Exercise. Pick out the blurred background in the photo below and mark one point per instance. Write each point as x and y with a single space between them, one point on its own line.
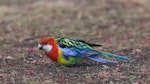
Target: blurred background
121 26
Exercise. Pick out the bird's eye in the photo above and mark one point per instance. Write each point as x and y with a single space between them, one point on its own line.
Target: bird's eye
45 43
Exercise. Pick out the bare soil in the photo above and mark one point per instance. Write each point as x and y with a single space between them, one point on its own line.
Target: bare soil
121 26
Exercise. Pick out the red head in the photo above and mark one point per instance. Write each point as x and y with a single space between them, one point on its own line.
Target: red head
47 43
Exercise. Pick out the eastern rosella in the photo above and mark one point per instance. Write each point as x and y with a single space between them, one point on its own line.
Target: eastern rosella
68 51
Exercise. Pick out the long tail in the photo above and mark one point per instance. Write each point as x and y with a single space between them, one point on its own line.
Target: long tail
97 56
115 55
99 59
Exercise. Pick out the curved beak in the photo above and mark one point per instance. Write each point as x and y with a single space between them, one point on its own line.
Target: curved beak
40 46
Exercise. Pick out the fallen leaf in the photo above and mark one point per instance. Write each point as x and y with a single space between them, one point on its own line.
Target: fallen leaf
107 40
31 50
106 67
31 72
132 77
136 51
8 57
1 75
62 78
143 69
144 42
10 28
136 83
104 74
144 25
135 3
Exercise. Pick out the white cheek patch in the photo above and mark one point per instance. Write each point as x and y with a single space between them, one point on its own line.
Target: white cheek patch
47 48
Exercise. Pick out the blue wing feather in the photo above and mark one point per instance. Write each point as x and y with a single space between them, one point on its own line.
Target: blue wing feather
69 52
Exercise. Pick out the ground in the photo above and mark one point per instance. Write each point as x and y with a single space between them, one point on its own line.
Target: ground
121 26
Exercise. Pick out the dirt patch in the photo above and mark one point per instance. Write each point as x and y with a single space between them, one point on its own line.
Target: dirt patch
122 27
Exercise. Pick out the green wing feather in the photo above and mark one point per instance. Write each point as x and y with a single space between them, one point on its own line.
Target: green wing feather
69 42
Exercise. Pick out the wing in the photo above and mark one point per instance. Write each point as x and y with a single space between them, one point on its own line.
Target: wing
90 44
68 43
71 47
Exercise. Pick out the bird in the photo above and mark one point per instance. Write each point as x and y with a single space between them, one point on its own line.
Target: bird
67 51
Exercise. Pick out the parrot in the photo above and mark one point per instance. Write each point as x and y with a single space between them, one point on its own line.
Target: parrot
67 51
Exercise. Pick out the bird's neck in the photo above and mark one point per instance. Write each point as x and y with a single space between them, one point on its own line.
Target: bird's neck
53 54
